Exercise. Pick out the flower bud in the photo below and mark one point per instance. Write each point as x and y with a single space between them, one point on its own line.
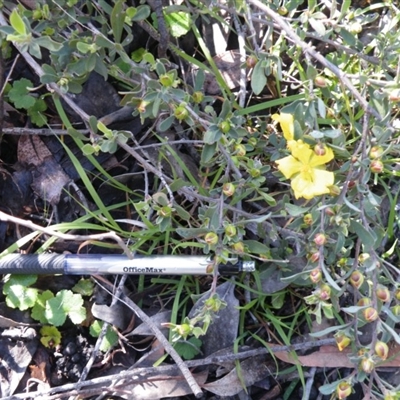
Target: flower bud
397 294
251 61
376 166
198 97
282 10
394 95
228 189
211 238
342 341
355 27
343 390
225 126
356 279
367 365
370 314
184 330
320 81
381 350
334 190
376 152
320 239
308 219
342 262
320 149
314 257
142 106
396 310
364 301
165 211
181 112
363 257
238 247
383 294
255 172
166 80
315 275
240 150
230 230
351 184
324 292
329 211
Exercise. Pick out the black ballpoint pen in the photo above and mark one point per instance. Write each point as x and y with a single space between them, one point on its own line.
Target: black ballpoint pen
100 264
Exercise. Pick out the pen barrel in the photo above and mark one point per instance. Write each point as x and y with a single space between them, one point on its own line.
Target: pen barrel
26 264
98 264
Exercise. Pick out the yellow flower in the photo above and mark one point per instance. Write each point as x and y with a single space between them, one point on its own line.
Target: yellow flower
306 170
287 125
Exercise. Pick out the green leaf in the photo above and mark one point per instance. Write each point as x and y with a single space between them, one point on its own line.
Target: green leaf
188 349
368 238
329 330
117 20
84 287
142 12
191 232
65 304
212 135
258 78
17 23
296 211
178 23
40 306
51 336
21 297
88 149
25 280
208 152
110 338
36 113
160 198
392 332
166 123
256 247
17 291
182 212
318 26
34 49
48 43
19 94
329 388
107 132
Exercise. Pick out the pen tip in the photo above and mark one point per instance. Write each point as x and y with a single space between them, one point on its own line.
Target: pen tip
248 266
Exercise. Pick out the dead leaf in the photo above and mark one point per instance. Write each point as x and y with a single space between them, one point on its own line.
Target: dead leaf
15 357
173 385
327 356
48 177
49 180
158 319
116 314
222 332
40 369
331 357
31 150
229 65
252 370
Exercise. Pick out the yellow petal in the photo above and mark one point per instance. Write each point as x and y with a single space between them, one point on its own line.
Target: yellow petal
310 185
289 166
320 160
301 151
286 123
